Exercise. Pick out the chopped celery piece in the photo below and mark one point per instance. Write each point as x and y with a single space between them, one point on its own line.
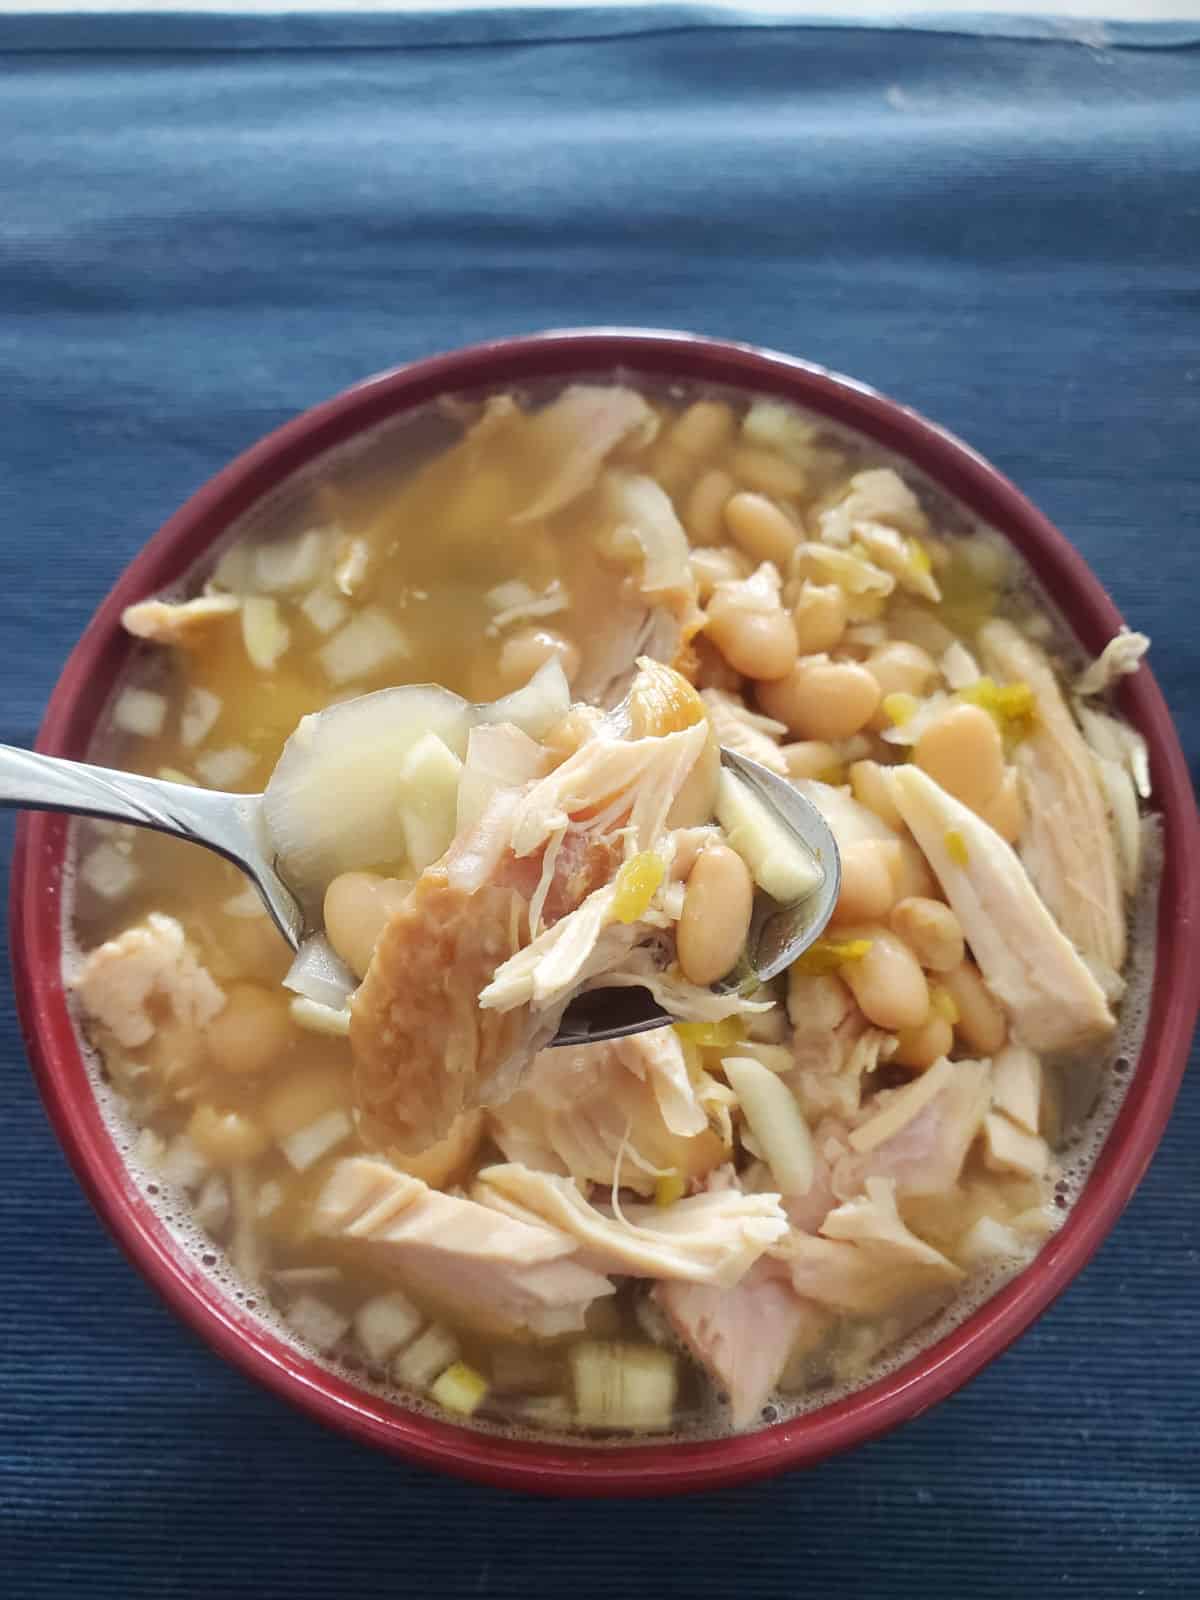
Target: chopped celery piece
316 1139
669 1188
460 1388
621 1385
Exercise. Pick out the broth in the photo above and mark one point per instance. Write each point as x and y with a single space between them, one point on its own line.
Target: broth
425 536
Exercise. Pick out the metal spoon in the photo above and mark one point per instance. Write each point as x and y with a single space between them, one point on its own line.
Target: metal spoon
233 826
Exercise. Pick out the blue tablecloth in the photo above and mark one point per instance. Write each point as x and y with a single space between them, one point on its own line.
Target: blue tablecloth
195 243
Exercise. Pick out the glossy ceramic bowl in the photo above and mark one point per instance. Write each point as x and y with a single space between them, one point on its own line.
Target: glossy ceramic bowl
585 1469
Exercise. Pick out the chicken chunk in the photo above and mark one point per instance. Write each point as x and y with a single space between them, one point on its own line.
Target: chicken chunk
591 1113
130 983
866 1260
1065 842
742 1336
423 1050
498 1273
575 434
710 1238
918 1137
180 622
1029 964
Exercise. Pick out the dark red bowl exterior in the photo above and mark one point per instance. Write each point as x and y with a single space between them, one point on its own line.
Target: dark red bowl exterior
587 1470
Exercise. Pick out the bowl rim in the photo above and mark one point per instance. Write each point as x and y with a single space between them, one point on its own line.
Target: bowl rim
550 1467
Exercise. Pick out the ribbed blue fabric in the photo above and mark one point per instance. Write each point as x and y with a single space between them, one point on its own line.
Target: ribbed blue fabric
198 241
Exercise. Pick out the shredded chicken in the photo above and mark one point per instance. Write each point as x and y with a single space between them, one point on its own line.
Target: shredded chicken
181 622
833 1046
918 1136
657 1058
894 554
497 1272
129 982
597 1113
1121 655
865 1259
747 733
1052 999
709 1238
610 783
877 495
1065 841
545 974
351 558
575 433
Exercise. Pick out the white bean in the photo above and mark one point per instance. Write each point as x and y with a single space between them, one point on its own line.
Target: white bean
716 915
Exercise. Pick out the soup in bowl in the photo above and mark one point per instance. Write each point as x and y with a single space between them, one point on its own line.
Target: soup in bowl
804 1208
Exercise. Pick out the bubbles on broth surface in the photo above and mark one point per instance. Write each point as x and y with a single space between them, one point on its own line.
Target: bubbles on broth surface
386 451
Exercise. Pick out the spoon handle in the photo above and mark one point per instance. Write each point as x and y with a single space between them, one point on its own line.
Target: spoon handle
50 783
230 824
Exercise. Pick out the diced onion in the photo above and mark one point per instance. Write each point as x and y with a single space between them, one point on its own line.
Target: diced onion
264 632
140 711
544 700
352 558
109 872
1007 1148
776 1122
369 642
283 565
499 756
428 797
332 804
386 1324
325 609
246 903
201 708
316 1018
317 1322
425 1358
221 769
308 1144
319 974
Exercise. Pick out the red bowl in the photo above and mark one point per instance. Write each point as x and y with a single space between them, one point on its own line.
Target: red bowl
584 1469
